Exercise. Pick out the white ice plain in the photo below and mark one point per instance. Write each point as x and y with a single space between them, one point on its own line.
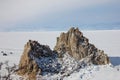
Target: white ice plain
107 40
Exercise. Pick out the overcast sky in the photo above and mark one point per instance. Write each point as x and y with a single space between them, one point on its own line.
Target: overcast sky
39 15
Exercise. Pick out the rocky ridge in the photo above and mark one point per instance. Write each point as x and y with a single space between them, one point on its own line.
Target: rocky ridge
72 52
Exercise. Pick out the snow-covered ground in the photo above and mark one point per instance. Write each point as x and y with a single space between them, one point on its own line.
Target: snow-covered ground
12 43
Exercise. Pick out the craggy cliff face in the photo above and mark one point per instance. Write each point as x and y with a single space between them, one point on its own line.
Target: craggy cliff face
74 43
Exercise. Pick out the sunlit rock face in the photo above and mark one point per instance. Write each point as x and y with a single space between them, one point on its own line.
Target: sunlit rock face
27 65
75 44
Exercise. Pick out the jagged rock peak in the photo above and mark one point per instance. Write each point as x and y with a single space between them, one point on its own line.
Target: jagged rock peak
75 44
28 65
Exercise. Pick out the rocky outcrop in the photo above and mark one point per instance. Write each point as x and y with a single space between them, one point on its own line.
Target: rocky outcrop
34 59
39 60
75 44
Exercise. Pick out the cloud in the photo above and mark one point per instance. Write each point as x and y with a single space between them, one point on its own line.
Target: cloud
18 11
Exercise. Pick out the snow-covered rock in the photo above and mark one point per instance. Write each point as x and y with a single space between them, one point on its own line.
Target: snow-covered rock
72 53
103 39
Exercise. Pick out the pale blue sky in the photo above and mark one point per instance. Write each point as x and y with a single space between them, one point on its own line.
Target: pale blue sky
42 15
